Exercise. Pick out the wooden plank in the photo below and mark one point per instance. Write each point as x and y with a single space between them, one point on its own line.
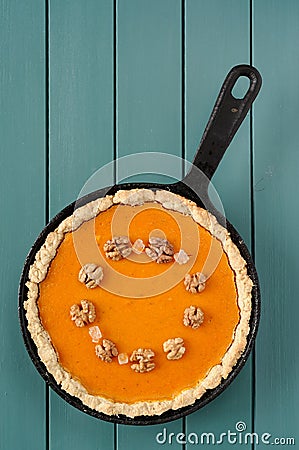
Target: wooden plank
276 162
149 78
81 141
148 117
22 149
217 38
81 94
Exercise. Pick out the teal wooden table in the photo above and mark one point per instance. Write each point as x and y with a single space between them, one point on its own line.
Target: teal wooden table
84 82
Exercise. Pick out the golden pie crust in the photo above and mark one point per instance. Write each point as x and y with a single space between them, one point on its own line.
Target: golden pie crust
39 269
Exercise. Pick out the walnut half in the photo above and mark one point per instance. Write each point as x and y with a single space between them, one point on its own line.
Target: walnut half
160 250
195 283
84 314
106 351
143 360
174 347
193 317
117 248
91 275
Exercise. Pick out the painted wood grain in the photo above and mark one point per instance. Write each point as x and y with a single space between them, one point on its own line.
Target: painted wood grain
22 149
276 162
217 38
81 141
148 117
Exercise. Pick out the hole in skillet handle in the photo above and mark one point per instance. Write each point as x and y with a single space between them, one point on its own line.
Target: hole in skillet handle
240 89
226 118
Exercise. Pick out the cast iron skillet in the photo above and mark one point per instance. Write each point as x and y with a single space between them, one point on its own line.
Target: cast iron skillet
226 117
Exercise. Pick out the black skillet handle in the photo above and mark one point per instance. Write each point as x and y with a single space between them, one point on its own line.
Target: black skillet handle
227 115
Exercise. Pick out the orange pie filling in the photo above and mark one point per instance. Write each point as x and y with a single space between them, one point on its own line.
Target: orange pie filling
139 304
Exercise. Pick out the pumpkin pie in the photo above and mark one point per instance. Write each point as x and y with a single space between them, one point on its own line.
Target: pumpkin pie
138 303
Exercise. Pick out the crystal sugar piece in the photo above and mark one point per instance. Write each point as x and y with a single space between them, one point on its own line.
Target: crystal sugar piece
138 246
95 333
181 257
123 358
